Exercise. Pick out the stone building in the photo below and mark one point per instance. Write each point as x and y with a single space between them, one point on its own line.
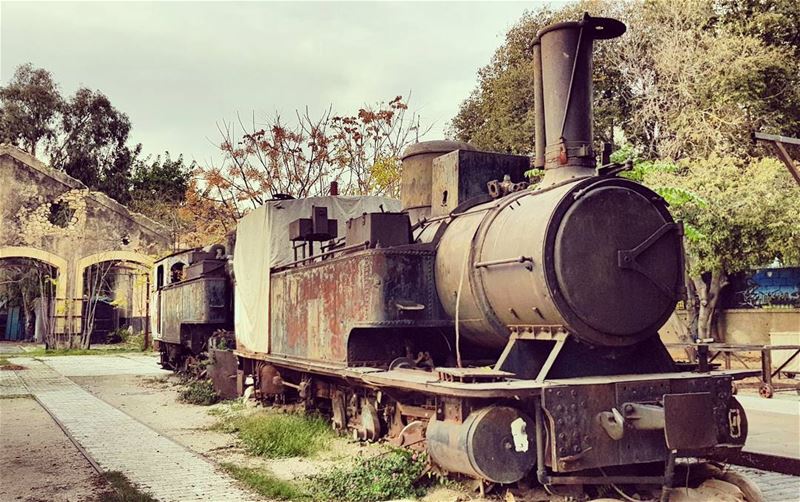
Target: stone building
55 219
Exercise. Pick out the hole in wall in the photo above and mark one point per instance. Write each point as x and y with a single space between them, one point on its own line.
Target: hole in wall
61 214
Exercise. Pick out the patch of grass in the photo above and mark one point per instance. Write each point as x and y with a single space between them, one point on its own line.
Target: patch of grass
199 392
265 483
124 490
393 475
281 435
228 409
4 362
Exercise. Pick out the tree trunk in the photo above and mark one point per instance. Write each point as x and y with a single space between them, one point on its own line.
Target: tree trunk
25 317
708 294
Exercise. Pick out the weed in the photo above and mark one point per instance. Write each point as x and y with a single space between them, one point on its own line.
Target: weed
158 381
281 435
199 392
392 475
265 483
124 490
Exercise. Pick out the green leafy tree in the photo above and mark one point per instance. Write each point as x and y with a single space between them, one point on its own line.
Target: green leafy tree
91 144
29 108
739 214
164 179
687 79
498 115
702 86
84 136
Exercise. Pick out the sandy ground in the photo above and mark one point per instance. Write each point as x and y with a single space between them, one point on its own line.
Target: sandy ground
38 462
154 402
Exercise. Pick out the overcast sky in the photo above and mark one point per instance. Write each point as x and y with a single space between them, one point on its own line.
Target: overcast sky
179 68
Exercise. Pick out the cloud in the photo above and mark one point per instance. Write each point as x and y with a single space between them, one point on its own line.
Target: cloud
179 68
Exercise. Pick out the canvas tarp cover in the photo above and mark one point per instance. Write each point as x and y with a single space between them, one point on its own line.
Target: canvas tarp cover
262 242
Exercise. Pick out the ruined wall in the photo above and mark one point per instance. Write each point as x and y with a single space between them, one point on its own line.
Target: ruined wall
48 215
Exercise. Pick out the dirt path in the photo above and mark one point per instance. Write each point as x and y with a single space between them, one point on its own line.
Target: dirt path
154 402
38 462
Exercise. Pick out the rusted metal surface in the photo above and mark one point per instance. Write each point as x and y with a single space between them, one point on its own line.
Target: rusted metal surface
495 443
379 230
577 441
566 61
546 300
461 176
361 289
222 372
570 275
270 382
192 302
416 180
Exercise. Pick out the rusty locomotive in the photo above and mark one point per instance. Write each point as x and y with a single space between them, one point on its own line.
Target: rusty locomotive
511 331
192 299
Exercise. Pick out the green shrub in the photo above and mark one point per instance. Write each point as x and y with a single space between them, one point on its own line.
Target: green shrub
199 392
265 483
282 435
393 475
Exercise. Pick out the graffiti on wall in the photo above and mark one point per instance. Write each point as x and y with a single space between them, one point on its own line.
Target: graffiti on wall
765 288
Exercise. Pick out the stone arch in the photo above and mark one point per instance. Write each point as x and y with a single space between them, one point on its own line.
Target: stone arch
87 261
61 307
38 254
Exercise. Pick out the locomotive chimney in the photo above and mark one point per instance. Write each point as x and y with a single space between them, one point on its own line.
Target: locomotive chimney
563 92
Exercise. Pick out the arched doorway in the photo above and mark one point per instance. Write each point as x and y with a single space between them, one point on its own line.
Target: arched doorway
33 299
114 291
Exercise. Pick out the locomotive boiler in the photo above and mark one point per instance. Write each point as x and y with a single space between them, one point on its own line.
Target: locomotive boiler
511 331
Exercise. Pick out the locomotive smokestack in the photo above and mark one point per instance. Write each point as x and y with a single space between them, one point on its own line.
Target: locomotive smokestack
565 79
538 105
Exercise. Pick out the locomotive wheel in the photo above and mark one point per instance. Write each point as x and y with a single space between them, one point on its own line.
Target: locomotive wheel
766 390
370 423
411 435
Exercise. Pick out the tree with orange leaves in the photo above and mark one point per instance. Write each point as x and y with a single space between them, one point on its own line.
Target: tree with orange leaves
360 152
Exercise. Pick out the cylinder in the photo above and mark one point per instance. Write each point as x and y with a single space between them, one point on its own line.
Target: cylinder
496 443
555 257
416 177
566 62
538 106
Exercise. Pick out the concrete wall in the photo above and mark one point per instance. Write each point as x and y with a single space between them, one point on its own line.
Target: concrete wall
755 325
746 326
93 228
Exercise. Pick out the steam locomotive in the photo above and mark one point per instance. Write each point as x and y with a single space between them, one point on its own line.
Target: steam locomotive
510 331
